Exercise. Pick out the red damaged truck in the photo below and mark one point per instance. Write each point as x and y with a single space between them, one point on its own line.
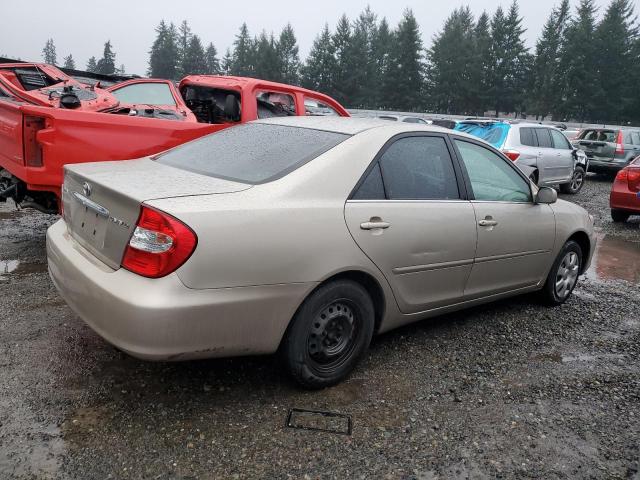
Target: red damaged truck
48 119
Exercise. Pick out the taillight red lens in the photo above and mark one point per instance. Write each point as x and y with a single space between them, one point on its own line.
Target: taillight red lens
160 244
633 179
512 155
622 175
619 145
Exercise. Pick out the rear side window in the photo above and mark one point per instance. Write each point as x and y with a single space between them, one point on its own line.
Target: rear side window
559 140
372 188
527 137
419 168
635 137
544 139
252 153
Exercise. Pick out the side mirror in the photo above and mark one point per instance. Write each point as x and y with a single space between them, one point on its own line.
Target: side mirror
546 195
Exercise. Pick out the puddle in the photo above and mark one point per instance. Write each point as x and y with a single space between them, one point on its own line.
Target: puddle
16 267
591 358
10 214
615 259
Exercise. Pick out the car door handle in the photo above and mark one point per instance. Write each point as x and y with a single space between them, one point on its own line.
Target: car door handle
374 225
487 223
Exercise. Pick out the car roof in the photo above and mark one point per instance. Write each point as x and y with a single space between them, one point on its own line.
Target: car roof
352 126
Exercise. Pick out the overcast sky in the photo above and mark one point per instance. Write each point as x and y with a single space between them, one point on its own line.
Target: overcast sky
81 28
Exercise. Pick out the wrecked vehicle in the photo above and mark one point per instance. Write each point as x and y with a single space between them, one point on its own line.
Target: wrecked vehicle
142 117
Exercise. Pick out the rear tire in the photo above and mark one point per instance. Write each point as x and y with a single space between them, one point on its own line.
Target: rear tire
563 276
619 215
576 183
329 334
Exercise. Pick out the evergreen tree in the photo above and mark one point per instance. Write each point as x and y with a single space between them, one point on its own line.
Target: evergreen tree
69 62
92 65
404 79
381 44
510 61
343 84
49 52
211 60
481 65
365 87
266 61
579 56
321 65
227 63
183 43
107 64
450 62
547 76
163 56
122 70
194 61
614 39
288 59
242 63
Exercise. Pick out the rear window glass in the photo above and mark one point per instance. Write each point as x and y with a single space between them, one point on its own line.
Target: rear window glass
599 135
527 137
252 153
492 133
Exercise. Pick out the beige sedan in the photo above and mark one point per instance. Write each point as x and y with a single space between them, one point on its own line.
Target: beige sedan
305 236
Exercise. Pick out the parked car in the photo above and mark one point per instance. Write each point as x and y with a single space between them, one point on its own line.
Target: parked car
609 150
541 151
143 117
625 192
305 236
405 118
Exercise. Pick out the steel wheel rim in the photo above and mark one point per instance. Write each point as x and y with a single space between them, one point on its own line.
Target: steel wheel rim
567 274
333 335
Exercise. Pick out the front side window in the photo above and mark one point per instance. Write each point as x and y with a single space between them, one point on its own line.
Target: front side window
315 107
275 104
145 94
252 153
560 141
419 168
491 177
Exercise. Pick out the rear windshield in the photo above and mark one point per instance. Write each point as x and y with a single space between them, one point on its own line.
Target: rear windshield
252 153
599 135
493 133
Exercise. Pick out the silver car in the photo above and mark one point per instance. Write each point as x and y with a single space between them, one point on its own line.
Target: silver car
305 236
543 152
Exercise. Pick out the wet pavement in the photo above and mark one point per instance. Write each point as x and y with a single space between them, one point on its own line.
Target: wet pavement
508 390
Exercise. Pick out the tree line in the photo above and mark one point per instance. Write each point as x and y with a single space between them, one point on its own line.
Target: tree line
106 65
585 65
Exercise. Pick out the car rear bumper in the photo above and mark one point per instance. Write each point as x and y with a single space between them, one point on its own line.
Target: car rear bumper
596 164
162 319
625 200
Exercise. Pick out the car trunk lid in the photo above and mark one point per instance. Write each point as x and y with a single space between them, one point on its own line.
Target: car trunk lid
598 144
101 201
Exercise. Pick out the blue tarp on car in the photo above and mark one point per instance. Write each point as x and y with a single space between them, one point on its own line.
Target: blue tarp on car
494 133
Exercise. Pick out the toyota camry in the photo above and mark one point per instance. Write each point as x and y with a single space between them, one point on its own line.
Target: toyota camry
305 236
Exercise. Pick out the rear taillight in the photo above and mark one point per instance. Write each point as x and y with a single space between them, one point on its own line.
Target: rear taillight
633 179
512 155
160 244
622 175
619 145
32 149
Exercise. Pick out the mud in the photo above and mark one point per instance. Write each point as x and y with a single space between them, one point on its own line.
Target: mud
508 390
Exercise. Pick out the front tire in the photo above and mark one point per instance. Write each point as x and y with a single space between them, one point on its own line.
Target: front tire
329 334
563 276
576 183
619 216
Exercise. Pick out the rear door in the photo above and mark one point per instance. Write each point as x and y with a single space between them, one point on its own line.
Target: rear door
515 235
409 216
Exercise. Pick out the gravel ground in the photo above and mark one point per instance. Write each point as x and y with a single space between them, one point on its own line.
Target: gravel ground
509 390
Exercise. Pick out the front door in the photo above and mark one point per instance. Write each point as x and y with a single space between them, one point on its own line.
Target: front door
515 235
564 155
409 218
